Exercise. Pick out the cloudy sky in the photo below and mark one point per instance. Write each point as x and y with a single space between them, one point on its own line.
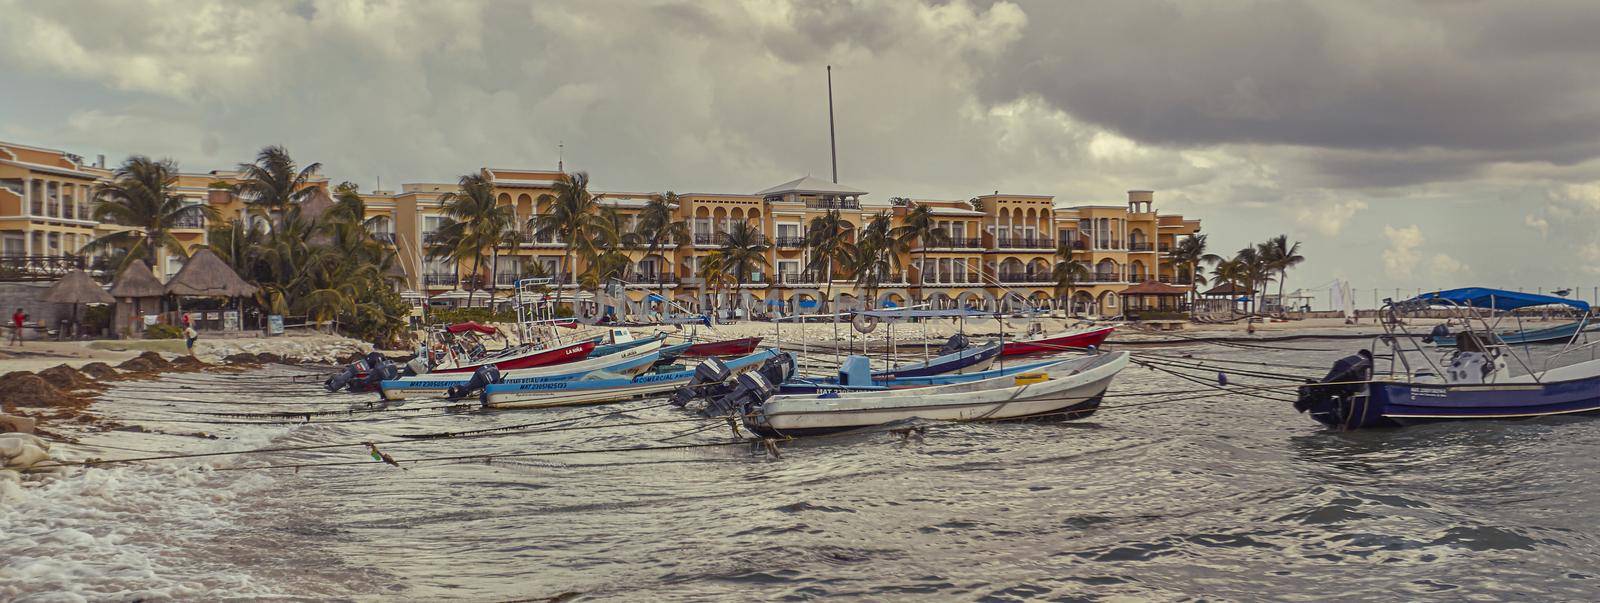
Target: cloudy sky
1406 144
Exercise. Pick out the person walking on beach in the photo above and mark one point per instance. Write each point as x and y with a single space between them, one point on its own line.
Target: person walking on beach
189 335
16 326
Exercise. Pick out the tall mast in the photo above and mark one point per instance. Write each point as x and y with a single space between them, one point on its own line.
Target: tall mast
833 149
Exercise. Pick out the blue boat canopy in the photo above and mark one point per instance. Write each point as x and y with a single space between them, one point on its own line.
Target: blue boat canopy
1498 299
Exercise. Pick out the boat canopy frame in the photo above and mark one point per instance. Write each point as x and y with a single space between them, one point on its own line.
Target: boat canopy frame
1480 303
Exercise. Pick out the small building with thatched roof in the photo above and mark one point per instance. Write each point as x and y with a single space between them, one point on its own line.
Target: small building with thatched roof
1153 295
206 275
76 289
138 293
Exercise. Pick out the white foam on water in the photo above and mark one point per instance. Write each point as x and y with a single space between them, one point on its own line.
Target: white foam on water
147 531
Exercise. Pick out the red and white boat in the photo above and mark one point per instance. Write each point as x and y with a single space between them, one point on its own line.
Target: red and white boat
1059 342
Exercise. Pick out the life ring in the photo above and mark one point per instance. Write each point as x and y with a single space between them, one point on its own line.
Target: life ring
864 324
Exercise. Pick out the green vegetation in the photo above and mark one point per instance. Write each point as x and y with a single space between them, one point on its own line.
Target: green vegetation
141 195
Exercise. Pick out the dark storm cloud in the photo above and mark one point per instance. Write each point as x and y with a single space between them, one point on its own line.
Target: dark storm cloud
1511 78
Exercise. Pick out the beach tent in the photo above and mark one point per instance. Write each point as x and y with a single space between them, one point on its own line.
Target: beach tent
138 293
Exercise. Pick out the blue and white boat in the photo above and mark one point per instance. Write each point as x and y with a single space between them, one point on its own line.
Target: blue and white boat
854 378
1474 379
600 391
1556 334
624 364
621 339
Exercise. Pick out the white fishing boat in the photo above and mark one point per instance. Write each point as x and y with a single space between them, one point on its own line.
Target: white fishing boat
624 364
1070 389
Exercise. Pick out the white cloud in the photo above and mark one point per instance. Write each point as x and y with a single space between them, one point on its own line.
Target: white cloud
1537 223
1328 219
1443 265
1401 258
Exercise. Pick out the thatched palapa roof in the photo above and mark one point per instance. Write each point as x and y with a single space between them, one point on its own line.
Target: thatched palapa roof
77 288
136 280
206 275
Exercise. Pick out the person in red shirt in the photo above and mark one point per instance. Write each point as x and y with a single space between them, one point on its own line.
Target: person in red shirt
16 326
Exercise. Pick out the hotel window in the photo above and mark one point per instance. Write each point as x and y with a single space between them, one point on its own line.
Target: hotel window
959 275
788 267
788 231
958 232
13 244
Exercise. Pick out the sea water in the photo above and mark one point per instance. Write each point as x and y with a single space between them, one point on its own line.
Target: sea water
1230 497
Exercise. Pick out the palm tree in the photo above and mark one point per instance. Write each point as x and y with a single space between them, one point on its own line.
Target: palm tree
744 250
713 275
919 225
1191 254
1231 271
572 214
1067 273
141 195
876 254
659 228
273 182
1282 256
829 239
476 222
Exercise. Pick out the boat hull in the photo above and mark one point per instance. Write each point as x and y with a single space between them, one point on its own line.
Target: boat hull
1396 404
626 365
822 386
1058 343
599 391
1072 395
972 360
568 353
730 347
1555 334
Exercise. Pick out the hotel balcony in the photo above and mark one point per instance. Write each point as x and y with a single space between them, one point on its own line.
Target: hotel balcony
195 222
1105 278
651 279
833 204
1005 242
959 243
440 280
1175 280
799 278
948 280
1024 277
719 238
384 237
1141 247
790 242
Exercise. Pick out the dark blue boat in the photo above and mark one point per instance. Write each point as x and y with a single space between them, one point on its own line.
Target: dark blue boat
1472 380
969 360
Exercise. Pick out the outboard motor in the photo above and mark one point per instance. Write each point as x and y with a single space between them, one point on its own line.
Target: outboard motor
1332 404
750 389
955 344
710 372
384 370
485 376
778 369
351 371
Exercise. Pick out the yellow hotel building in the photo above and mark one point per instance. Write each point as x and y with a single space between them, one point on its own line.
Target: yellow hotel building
999 245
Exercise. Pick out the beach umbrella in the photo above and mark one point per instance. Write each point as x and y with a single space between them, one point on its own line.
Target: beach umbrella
77 288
